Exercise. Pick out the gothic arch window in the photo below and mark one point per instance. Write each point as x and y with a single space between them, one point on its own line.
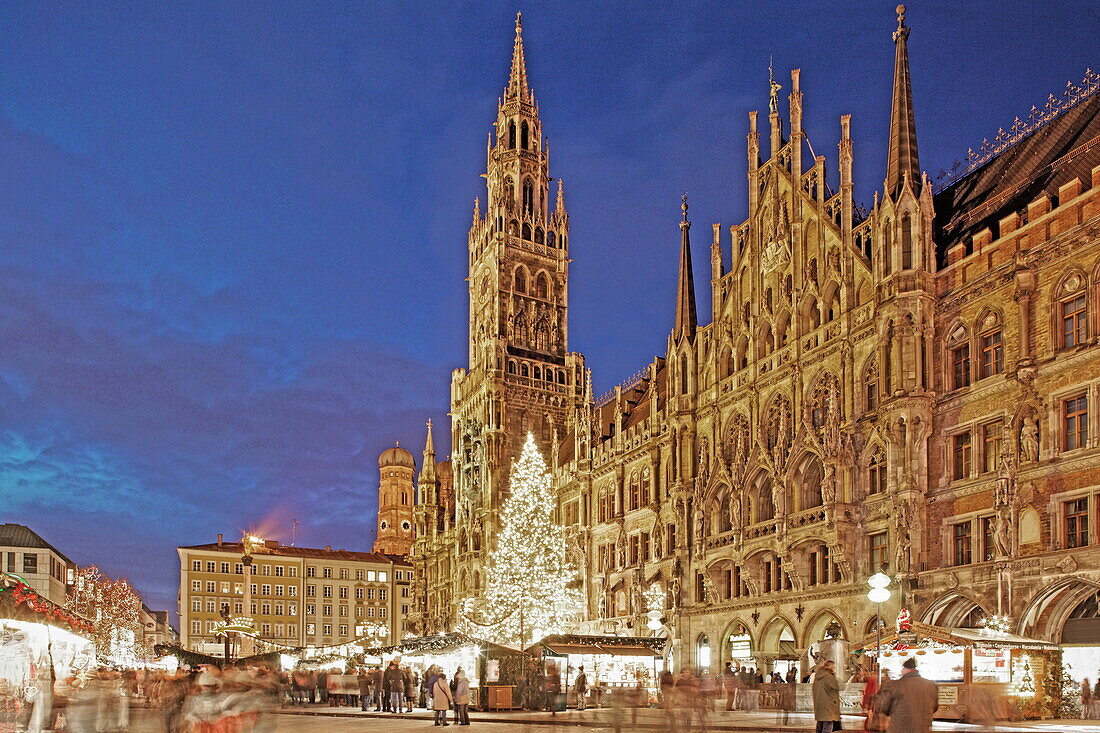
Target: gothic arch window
861 293
527 231
870 385
958 356
684 374
539 239
550 238
830 302
764 341
906 242
765 507
524 370
824 400
542 286
538 372
782 326
513 228
528 198
811 484
561 377
876 473
742 355
542 335
524 136
635 491
726 365
512 135
812 314
647 487
511 366
520 280
887 246
990 343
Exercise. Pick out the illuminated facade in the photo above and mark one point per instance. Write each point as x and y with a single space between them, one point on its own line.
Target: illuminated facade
914 386
298 596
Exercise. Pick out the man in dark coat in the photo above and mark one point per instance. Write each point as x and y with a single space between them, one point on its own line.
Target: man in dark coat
911 701
394 684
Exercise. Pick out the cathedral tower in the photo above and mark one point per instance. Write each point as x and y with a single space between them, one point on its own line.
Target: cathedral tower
521 377
395 502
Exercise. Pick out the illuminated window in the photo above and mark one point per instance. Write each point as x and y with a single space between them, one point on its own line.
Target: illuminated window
992 435
960 365
962 543
1075 422
1075 330
1077 522
962 454
876 474
877 550
993 354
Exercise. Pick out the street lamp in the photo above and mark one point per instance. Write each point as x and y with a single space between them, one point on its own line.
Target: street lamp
251 544
878 595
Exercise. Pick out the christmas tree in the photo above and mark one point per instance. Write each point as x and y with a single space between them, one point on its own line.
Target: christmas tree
529 584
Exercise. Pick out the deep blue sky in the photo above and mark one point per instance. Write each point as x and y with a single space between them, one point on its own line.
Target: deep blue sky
232 235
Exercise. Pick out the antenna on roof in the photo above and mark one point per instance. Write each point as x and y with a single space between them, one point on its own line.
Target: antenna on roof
293 531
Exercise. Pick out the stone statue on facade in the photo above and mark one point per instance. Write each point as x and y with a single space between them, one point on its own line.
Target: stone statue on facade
1029 438
1002 543
903 528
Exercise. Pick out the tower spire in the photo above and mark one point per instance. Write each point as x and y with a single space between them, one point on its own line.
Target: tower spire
902 161
427 470
517 79
686 320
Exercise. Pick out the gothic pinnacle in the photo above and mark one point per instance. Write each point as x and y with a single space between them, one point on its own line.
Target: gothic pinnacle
517 79
902 161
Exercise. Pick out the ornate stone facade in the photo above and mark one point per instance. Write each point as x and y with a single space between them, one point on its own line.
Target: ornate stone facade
914 387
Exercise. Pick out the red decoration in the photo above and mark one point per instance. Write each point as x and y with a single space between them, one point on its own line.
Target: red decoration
24 594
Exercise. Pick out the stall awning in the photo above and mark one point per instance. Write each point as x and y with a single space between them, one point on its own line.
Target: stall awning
618 646
629 651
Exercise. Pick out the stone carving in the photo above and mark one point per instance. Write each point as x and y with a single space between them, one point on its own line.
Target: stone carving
777 249
1029 438
736 510
1001 540
700 528
904 518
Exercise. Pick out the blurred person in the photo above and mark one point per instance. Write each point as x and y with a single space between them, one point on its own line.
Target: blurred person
729 685
792 675
393 684
442 700
687 689
1086 699
911 701
553 689
410 687
1094 705
321 685
462 698
751 691
867 701
668 697
826 697
581 687
363 680
983 707
786 703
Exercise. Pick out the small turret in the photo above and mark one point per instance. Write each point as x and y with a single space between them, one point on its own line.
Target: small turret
686 319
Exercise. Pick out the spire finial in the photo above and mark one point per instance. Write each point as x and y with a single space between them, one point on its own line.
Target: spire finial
519 20
517 79
686 319
560 205
902 162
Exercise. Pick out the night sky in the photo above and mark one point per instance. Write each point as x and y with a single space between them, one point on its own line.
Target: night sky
233 235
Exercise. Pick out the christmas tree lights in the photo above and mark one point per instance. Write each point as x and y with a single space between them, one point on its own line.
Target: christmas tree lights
529 583
115 609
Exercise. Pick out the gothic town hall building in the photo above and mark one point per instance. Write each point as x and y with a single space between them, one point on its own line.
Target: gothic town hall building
915 388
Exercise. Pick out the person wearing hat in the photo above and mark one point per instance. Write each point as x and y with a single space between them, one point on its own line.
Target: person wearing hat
911 701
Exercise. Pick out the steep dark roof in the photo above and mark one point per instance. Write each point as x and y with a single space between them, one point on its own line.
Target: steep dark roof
288 551
1065 149
18 535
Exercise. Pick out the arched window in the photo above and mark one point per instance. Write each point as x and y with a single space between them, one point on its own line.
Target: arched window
870 385
538 372
561 377
512 135
764 341
683 374
524 370
906 242
524 137
702 652
513 228
813 315
765 508
781 328
635 492
742 358
725 367
831 302
527 231
550 238
511 367
520 285
538 235
887 246
528 199
647 488
542 287
876 474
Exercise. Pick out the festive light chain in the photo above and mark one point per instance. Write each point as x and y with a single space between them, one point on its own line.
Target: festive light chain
23 594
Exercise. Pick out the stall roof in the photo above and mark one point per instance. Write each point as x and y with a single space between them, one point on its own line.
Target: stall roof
443 643
620 646
1000 638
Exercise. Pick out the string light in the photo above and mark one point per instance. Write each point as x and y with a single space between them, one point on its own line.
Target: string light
528 580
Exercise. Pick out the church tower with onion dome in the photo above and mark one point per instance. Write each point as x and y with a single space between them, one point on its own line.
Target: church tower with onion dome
395 502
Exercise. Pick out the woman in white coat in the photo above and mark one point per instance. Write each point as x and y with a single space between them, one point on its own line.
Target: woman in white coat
462 699
442 700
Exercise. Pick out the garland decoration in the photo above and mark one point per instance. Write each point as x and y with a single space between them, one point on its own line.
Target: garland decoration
25 596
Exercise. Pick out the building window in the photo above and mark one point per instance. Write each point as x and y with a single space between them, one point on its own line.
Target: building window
326 610
876 475
383 576
381 594
265 609
279 570
196 605
1075 329
962 454
1077 522
962 543
343 629
196 565
265 589
211 566
358 574
359 594
1075 422
877 550
343 573
211 586
311 572
870 388
670 534
326 629
382 612
992 434
196 627
960 365
343 591
293 573
326 591
196 585
311 628
311 591
225 567
988 548
993 354
310 609
238 568
292 630
326 572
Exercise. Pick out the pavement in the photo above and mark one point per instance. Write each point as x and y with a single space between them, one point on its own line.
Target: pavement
646 719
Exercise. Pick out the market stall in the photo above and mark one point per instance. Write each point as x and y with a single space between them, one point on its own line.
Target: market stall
40 642
494 670
612 664
972 665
